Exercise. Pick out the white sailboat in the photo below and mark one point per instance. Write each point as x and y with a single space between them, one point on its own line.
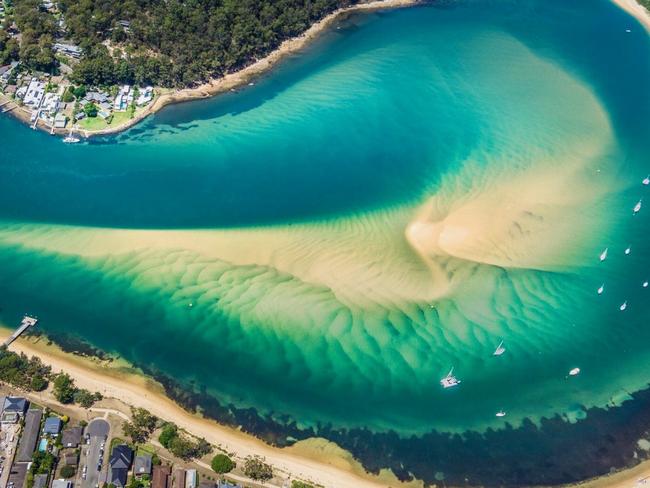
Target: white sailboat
628 250
499 350
501 413
603 255
637 207
646 180
645 284
601 289
623 306
450 380
574 372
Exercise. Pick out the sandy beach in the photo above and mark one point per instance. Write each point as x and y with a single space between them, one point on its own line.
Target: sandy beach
316 460
637 10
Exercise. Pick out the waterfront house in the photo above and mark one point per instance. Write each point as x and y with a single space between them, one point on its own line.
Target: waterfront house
51 103
27 443
190 478
120 462
71 437
142 465
160 478
52 426
146 95
34 94
59 123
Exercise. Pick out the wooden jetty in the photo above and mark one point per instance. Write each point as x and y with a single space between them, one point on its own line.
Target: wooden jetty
25 324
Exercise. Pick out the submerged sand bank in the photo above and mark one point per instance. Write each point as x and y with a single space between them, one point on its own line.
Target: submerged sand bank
329 467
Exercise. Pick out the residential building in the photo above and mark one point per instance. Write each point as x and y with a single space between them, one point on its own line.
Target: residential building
178 480
61 484
27 443
71 437
40 481
120 462
51 103
142 465
160 478
15 404
225 484
68 49
70 458
52 426
146 95
34 94
59 123
190 478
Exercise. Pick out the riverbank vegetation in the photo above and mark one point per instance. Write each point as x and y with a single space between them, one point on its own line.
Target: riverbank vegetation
179 44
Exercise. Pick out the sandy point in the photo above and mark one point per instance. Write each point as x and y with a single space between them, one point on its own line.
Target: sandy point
637 10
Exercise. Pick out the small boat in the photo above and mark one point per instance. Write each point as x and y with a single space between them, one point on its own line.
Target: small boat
601 289
645 284
450 380
637 207
646 180
499 350
70 139
251 84
574 372
623 306
628 30
603 255
501 413
628 250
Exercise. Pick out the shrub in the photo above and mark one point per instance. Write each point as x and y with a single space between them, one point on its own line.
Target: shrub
67 471
222 464
256 469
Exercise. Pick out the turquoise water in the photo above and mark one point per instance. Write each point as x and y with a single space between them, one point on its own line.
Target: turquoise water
415 187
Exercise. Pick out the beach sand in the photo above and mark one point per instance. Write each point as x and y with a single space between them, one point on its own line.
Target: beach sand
637 10
331 467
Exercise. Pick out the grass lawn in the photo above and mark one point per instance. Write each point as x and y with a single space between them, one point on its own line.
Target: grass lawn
146 449
115 441
97 123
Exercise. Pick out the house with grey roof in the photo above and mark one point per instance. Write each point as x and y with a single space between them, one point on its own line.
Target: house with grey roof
40 481
120 462
28 440
15 404
142 465
61 484
52 425
71 437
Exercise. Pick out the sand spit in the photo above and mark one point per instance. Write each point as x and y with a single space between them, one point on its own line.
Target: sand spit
637 10
139 391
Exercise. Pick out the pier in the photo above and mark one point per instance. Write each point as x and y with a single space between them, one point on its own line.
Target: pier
25 324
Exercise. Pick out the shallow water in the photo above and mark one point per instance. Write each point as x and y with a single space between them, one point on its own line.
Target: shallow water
414 188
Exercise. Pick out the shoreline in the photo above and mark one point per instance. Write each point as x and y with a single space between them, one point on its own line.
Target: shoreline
227 82
636 10
329 467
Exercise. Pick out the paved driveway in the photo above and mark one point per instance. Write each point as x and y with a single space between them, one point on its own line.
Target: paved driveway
98 430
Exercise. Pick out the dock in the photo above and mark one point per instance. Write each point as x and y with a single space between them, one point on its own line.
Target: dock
25 324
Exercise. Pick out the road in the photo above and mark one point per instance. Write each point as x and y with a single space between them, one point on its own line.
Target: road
98 430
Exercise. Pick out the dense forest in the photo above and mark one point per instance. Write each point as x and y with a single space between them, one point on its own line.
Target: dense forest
170 43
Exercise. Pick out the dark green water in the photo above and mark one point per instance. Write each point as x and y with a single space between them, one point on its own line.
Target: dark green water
415 187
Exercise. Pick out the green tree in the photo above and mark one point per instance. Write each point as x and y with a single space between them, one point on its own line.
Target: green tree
141 425
38 383
255 468
222 464
86 399
68 95
168 433
90 109
67 471
79 92
300 484
64 388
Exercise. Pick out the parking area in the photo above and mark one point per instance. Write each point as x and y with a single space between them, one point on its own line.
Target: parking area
8 443
92 454
17 475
